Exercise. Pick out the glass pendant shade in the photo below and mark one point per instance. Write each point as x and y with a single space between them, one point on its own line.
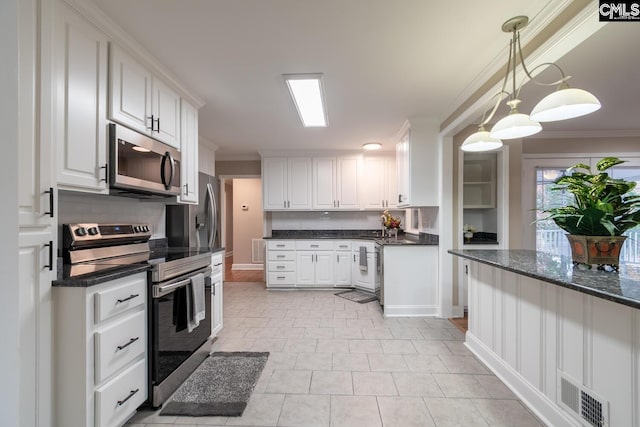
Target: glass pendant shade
565 104
480 141
515 125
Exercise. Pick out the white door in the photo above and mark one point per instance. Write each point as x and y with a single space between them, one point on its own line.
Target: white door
274 183
324 263
347 183
374 183
324 185
80 103
402 163
299 183
130 97
189 154
343 269
166 114
305 269
391 183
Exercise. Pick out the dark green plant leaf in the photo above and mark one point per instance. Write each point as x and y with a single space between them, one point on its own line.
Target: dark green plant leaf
608 162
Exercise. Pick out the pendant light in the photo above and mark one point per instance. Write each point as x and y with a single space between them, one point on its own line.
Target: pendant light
564 103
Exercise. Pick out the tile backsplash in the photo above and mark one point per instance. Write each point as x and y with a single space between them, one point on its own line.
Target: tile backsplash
332 220
76 207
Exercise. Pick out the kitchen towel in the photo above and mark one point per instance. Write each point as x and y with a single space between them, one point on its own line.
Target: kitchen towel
363 258
196 308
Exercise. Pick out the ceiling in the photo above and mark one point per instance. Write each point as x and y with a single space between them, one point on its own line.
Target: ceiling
383 62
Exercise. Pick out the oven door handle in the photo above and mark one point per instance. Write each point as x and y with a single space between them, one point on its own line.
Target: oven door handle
162 290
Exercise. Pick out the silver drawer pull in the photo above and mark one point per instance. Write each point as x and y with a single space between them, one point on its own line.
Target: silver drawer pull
315 246
279 266
280 277
280 246
122 402
132 296
131 341
280 256
343 246
217 265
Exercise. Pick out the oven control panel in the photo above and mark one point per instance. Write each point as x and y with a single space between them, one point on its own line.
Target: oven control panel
85 234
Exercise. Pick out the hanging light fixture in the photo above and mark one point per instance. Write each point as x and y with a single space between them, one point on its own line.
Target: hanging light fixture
564 103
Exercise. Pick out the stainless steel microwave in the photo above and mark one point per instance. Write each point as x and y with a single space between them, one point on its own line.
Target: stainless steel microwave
141 166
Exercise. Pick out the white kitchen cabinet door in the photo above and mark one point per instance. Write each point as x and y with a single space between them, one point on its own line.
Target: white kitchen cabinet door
80 99
34 323
343 269
166 112
365 279
305 269
189 154
347 177
391 182
324 184
402 165
274 183
418 157
299 183
374 183
324 264
216 306
130 92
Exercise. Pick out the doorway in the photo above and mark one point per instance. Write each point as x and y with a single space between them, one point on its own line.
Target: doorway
242 228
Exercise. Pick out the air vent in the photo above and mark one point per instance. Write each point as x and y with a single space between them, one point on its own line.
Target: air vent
257 251
582 402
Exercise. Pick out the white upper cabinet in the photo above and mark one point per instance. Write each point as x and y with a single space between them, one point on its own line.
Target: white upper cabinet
335 183
141 101
286 183
80 94
166 113
189 153
380 182
418 163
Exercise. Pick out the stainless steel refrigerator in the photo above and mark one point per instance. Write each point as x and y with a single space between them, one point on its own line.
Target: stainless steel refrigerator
196 226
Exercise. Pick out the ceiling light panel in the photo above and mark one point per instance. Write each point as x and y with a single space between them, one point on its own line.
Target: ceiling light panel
307 92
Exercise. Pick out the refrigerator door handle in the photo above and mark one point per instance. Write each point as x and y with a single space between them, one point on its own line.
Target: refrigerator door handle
211 216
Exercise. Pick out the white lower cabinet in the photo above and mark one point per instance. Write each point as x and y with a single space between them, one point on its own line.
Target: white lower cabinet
314 267
100 352
217 266
342 271
281 263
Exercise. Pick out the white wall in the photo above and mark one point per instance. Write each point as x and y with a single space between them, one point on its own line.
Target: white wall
9 356
247 223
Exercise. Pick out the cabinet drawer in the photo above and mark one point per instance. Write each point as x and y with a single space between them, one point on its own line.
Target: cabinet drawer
119 398
125 294
217 264
312 245
282 256
275 278
342 245
118 345
283 245
282 266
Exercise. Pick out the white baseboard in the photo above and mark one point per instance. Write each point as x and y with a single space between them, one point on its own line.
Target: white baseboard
410 310
546 410
258 267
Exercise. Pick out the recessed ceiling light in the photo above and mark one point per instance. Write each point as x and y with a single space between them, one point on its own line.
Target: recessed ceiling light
140 149
307 91
372 146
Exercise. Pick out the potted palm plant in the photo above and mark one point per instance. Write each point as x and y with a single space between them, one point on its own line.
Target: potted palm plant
603 208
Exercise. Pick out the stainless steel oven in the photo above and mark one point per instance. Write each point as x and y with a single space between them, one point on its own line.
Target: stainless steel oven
139 165
174 352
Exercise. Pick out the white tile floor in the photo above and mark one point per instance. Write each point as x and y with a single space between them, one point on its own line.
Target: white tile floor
338 363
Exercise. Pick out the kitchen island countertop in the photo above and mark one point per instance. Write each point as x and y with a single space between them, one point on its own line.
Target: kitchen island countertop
622 287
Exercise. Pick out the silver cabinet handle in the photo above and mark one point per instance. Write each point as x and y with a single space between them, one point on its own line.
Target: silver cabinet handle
51 204
130 297
315 246
338 203
186 189
279 256
288 203
280 266
280 246
280 277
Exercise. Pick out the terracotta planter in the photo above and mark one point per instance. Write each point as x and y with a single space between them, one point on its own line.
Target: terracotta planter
601 250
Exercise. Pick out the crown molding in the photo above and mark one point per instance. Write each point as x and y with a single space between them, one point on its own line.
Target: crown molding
118 35
587 134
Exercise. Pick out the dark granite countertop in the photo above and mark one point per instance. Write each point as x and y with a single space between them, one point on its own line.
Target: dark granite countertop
375 235
98 277
622 287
